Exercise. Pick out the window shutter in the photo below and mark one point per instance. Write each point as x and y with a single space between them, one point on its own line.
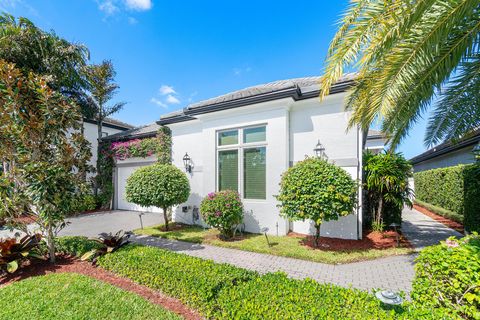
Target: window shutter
254 174
228 170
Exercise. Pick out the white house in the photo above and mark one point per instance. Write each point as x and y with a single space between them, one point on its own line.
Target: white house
109 127
246 139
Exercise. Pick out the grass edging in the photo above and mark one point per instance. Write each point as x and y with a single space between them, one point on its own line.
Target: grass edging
440 211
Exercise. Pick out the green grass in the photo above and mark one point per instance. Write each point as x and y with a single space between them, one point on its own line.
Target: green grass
281 246
73 296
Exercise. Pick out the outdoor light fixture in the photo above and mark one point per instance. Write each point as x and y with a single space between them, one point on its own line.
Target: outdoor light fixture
476 151
389 297
319 151
264 231
187 162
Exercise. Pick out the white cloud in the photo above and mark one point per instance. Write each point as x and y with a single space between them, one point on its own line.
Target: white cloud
140 5
239 71
164 90
172 100
108 6
132 20
159 103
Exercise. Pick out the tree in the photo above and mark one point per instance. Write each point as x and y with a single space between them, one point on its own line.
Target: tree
102 88
222 210
316 190
45 53
405 51
386 182
39 137
159 185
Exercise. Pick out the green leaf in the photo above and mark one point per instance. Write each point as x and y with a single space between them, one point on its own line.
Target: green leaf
12 266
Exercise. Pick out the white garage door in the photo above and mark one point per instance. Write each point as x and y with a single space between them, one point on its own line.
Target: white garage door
123 172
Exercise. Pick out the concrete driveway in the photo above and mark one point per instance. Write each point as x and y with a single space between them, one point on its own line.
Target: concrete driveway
110 221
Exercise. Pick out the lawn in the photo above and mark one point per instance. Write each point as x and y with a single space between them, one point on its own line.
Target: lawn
72 296
285 246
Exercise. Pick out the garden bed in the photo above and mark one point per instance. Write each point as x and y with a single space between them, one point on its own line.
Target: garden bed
444 220
71 265
372 246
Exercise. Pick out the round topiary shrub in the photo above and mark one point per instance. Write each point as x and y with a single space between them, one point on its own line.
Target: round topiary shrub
316 190
159 185
222 210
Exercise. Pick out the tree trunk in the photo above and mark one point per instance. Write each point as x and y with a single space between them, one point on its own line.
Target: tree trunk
317 234
99 139
379 211
51 243
165 216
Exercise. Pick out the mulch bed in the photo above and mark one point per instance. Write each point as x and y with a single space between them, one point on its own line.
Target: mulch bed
448 222
370 240
73 265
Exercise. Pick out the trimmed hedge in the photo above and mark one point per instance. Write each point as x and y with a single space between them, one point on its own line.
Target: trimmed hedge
222 291
454 188
440 211
448 276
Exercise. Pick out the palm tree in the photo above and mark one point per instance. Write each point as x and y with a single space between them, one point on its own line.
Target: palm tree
102 88
405 51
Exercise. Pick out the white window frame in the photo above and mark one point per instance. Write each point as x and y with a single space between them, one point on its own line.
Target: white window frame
240 147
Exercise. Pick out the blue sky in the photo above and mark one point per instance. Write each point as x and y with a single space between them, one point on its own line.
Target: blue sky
170 53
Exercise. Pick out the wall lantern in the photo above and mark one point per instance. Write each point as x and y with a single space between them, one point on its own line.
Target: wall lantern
319 151
476 151
187 162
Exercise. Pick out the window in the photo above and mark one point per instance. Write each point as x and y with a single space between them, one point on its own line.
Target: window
241 163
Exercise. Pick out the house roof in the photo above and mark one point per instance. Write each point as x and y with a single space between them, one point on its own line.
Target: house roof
298 89
376 134
447 147
112 123
147 131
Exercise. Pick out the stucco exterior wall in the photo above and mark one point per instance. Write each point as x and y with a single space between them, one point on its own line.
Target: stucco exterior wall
292 131
462 156
90 133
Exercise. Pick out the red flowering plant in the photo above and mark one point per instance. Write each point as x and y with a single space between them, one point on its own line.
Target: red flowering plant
222 210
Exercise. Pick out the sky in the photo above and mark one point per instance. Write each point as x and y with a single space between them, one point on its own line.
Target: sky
168 54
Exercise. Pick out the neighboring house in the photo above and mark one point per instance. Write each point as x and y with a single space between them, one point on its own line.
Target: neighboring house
375 141
246 139
110 126
447 154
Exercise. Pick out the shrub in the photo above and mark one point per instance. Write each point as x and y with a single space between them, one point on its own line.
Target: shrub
221 291
14 251
441 211
448 275
108 243
83 203
316 190
159 185
193 280
222 210
386 185
74 245
454 188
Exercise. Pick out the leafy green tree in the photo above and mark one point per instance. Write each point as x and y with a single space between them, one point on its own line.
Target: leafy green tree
405 50
159 185
316 190
46 54
39 137
102 88
386 182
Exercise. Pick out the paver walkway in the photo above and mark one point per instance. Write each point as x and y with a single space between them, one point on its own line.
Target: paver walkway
394 273
423 231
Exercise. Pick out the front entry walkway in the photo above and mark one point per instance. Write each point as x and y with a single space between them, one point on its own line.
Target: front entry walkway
394 273
423 231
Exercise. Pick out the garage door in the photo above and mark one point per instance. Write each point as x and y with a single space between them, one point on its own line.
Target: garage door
123 172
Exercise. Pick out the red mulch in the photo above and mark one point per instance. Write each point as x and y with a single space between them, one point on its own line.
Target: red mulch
370 240
448 222
73 265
